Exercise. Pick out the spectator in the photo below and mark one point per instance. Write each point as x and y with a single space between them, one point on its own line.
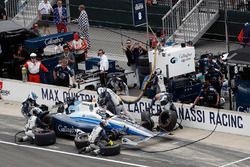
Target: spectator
138 50
3 15
60 17
35 30
63 74
104 66
128 51
44 11
78 46
208 96
34 68
19 58
68 56
215 78
83 24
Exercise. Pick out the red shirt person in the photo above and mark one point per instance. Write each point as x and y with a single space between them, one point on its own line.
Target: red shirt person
34 68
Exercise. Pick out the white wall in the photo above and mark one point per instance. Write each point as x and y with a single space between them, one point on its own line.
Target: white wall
200 117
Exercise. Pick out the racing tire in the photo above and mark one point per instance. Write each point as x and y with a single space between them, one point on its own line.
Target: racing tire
147 122
47 119
110 150
167 120
45 137
81 141
143 61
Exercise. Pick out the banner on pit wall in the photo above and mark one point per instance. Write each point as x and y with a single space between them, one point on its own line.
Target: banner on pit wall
199 117
242 96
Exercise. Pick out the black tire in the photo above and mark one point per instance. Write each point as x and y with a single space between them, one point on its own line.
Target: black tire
147 122
143 70
47 119
110 150
81 141
45 137
167 120
143 61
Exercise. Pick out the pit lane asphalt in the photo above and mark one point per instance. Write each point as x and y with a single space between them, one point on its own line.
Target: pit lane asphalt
198 154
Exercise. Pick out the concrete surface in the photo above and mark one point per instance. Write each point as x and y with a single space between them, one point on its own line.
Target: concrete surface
217 150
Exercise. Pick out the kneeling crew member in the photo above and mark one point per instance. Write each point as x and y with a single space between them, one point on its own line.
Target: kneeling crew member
97 134
33 123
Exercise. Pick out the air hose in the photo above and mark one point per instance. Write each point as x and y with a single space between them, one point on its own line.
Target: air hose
131 101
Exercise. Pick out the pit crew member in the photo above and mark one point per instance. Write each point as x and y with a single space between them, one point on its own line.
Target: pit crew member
33 123
97 134
109 100
208 96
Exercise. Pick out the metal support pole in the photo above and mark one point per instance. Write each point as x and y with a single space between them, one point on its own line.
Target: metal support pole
146 14
68 13
228 49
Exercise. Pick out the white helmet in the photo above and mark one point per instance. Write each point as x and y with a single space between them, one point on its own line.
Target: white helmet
158 71
33 55
100 90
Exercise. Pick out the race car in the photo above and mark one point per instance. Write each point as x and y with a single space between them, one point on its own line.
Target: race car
87 115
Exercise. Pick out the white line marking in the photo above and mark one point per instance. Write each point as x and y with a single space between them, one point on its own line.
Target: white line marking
235 162
72 154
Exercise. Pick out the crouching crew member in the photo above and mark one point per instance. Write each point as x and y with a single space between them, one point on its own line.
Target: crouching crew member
97 134
208 96
34 68
33 123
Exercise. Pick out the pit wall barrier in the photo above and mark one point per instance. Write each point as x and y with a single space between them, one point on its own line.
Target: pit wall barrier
199 117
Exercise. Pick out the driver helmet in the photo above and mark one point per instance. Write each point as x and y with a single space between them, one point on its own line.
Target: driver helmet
33 96
101 90
158 71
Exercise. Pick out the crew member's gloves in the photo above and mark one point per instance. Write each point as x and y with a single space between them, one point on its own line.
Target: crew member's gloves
110 143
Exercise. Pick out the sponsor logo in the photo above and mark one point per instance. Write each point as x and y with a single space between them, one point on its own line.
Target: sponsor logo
174 60
53 41
3 92
65 129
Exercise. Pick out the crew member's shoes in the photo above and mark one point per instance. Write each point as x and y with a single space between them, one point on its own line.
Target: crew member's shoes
20 140
81 150
95 152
